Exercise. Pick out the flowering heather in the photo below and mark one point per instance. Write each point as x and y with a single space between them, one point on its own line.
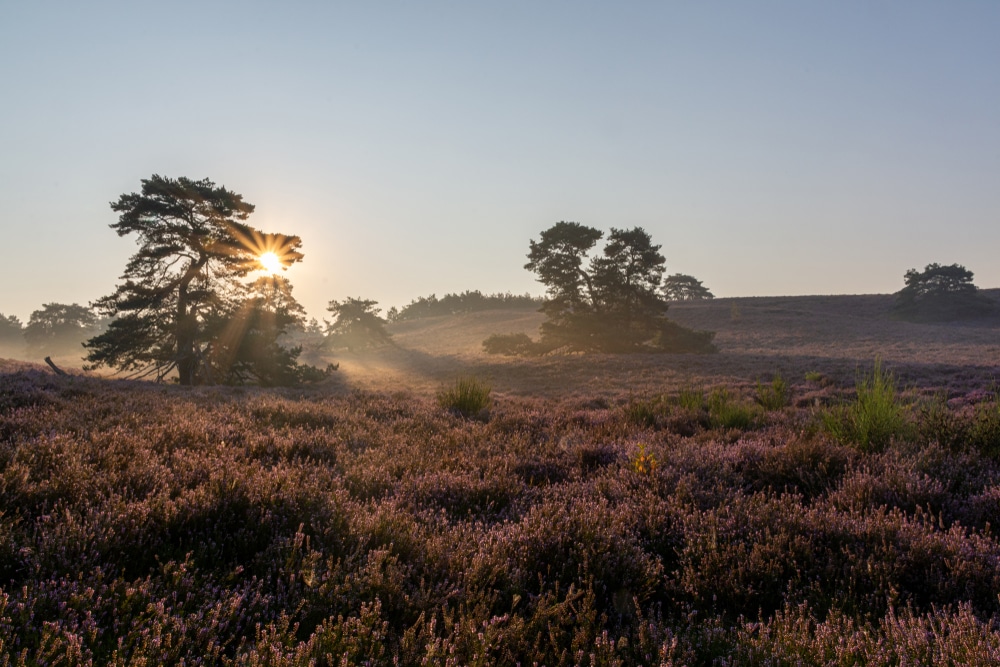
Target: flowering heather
146 524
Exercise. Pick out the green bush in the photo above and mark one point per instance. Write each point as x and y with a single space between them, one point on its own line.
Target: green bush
984 432
937 424
512 344
672 337
773 396
690 398
729 413
875 416
468 396
646 413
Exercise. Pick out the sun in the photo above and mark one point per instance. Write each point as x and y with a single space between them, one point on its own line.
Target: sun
271 262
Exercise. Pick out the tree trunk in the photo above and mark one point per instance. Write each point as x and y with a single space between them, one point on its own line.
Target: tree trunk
55 368
185 343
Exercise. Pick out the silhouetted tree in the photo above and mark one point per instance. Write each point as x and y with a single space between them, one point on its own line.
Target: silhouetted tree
11 330
12 341
194 249
940 293
682 287
356 324
558 259
59 328
610 303
469 301
625 280
246 346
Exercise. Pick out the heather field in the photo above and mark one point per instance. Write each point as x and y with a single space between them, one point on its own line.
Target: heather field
787 501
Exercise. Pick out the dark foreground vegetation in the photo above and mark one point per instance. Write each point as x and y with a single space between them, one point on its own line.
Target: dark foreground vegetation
146 524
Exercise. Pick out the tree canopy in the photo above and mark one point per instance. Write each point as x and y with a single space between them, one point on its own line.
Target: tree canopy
469 301
940 293
58 328
609 301
356 324
682 287
11 332
183 292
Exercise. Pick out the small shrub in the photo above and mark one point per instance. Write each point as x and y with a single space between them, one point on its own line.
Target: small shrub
984 431
691 399
729 413
773 396
469 396
643 462
672 337
814 376
644 413
936 423
512 344
875 416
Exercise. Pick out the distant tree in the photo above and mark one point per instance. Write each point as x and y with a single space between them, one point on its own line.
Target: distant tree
194 251
11 331
681 287
59 328
356 324
610 303
941 293
466 302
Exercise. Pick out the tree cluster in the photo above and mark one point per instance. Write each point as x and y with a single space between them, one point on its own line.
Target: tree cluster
11 332
465 302
941 293
610 301
54 329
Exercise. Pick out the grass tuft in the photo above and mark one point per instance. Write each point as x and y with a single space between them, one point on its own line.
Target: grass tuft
773 396
468 396
875 416
729 412
690 398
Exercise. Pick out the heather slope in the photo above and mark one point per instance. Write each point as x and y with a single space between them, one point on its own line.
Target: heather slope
157 524
830 335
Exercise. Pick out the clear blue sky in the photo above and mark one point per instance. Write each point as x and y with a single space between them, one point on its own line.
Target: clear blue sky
771 147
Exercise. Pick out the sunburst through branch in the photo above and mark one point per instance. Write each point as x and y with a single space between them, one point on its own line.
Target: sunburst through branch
267 252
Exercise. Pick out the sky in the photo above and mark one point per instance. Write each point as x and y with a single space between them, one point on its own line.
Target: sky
771 148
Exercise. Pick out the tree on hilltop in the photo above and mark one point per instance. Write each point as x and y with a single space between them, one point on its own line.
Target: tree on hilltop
184 287
356 324
608 302
941 293
682 287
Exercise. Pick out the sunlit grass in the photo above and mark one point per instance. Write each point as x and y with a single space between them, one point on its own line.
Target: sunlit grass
468 396
773 396
876 415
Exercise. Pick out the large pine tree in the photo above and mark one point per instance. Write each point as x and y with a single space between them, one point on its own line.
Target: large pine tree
195 250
